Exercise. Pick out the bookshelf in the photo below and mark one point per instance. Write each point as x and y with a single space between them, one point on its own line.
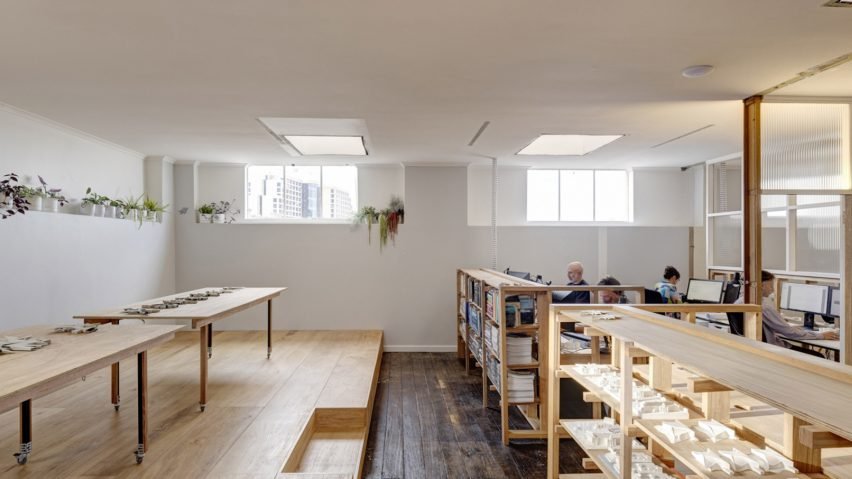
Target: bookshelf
704 375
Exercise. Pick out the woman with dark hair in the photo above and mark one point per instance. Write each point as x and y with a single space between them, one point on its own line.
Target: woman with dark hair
668 286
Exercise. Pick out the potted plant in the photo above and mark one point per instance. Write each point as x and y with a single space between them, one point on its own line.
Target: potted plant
205 213
34 196
369 215
52 199
12 199
93 203
224 212
131 207
153 210
112 208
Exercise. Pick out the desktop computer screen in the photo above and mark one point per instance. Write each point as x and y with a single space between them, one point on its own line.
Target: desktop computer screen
805 298
704 291
834 309
519 274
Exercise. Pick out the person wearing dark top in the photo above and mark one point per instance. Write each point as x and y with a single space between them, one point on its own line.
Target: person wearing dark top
575 278
612 296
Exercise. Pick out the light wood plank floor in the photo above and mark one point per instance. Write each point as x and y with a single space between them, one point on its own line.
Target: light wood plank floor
255 409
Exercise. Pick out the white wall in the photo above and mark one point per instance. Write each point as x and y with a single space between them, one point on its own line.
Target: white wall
58 265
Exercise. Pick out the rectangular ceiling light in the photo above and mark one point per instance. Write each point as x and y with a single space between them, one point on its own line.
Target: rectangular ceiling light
567 145
309 145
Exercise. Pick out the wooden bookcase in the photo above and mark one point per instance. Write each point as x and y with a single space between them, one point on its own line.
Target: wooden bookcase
481 302
771 397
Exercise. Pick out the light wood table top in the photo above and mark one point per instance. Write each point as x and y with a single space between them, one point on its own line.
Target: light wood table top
787 380
29 374
201 313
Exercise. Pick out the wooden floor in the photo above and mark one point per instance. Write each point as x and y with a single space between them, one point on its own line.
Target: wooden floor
256 408
428 422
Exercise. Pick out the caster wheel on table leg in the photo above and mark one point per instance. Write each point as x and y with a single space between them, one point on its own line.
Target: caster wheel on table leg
202 406
116 406
22 458
140 454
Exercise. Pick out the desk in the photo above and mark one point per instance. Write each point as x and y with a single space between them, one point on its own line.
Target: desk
27 375
830 346
202 314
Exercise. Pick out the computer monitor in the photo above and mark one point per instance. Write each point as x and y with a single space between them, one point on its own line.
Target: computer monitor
834 308
810 299
704 291
519 274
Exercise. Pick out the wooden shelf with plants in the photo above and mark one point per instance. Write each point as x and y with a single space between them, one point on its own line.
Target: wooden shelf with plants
712 403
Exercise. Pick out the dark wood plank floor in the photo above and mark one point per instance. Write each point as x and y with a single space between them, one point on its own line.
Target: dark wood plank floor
428 422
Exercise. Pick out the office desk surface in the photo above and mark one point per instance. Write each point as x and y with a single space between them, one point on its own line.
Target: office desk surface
761 371
29 374
201 312
821 343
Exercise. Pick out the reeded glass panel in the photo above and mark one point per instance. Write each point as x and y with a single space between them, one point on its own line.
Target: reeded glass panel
727 240
810 200
727 186
805 146
774 234
818 239
772 201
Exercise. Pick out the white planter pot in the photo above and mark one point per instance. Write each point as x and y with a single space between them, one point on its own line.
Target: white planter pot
100 210
205 218
158 217
36 203
110 211
152 216
87 209
143 215
51 205
131 214
7 203
219 219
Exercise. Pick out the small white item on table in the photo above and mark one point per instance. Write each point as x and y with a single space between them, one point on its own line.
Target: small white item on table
76 328
11 344
675 432
711 461
741 462
714 431
773 462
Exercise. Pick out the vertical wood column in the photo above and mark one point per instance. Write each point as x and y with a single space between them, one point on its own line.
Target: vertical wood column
804 458
551 419
626 459
845 277
752 259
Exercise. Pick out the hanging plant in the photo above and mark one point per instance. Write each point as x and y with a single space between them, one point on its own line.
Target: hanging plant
367 214
383 230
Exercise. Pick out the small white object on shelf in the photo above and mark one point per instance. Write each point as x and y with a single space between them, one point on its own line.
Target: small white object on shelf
773 462
711 461
714 431
11 344
741 462
76 328
596 314
675 432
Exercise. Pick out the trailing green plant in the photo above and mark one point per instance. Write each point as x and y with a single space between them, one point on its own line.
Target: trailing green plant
206 209
369 215
383 229
10 189
116 203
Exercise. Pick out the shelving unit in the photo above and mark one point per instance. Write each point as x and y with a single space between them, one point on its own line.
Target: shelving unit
714 370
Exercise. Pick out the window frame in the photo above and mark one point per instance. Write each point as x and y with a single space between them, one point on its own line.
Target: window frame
319 220
594 222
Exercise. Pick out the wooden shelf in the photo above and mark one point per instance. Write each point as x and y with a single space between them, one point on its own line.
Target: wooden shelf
526 328
534 365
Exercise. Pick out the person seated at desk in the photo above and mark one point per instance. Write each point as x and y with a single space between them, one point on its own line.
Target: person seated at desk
668 286
774 324
575 278
611 296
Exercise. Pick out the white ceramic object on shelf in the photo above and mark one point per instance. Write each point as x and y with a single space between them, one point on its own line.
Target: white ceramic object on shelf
110 211
51 205
219 219
87 209
36 203
205 218
131 214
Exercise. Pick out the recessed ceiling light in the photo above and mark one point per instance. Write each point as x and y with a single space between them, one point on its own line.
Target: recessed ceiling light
327 145
697 71
567 145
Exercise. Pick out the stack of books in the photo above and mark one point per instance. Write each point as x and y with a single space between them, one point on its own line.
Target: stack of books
492 338
519 349
521 386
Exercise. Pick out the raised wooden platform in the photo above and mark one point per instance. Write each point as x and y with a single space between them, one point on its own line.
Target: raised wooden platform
256 421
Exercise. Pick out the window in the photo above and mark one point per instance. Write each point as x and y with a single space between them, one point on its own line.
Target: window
301 192
578 195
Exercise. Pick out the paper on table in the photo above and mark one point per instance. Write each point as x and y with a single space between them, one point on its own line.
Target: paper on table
772 461
675 432
740 461
76 328
711 461
714 431
10 344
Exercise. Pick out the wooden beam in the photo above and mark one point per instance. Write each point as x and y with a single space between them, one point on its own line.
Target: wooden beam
638 353
806 459
845 277
752 260
716 405
704 385
816 437
660 377
590 397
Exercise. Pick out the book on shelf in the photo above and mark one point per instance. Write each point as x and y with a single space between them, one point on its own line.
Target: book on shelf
474 320
519 349
490 298
492 338
474 288
520 386
463 308
493 371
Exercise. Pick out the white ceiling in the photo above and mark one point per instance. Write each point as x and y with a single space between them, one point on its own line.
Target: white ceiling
189 78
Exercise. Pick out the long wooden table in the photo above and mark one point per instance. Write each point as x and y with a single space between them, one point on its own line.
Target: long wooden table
27 375
202 314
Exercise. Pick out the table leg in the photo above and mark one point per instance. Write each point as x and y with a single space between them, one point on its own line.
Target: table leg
210 340
26 431
202 401
116 393
142 414
269 329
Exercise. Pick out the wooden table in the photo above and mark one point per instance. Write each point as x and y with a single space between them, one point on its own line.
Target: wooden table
202 314
27 375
